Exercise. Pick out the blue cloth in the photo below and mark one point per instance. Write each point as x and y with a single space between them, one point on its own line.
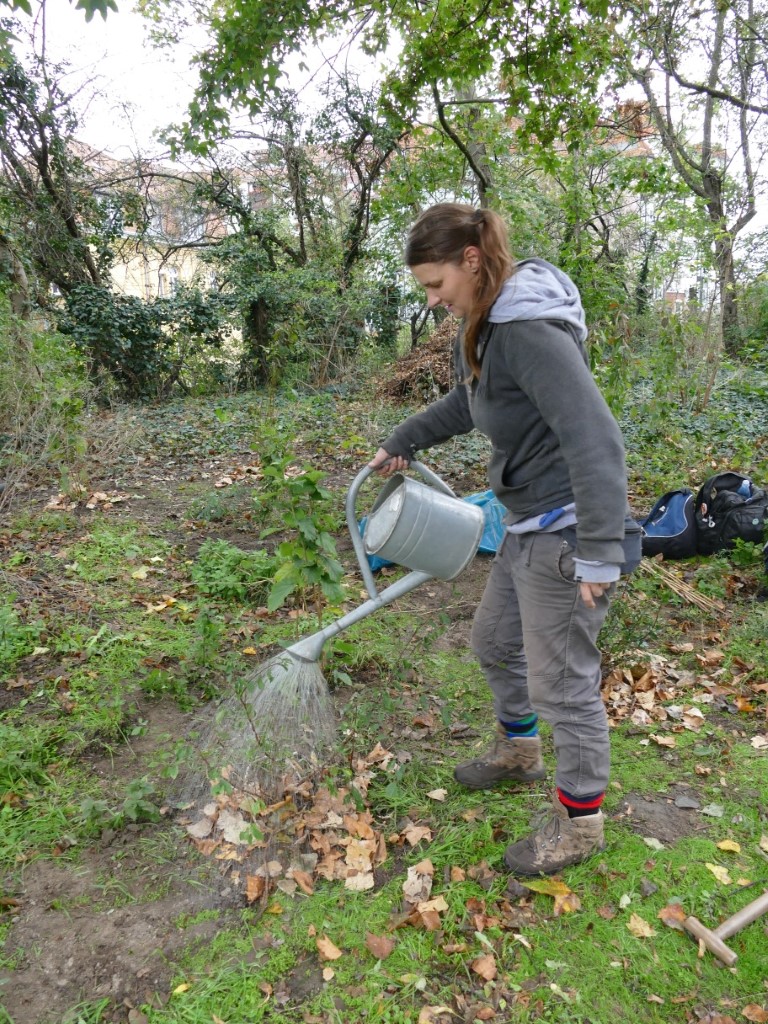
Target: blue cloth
493 530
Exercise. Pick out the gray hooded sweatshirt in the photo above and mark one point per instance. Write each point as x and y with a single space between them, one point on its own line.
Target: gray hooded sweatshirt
554 440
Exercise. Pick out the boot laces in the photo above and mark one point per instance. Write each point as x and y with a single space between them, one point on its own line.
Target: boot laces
550 832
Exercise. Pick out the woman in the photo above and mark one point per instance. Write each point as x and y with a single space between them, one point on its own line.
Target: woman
557 464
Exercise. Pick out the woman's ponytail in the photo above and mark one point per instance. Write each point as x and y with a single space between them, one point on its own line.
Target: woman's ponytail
442 234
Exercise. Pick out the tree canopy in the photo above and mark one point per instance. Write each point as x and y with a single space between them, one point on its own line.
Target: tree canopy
548 56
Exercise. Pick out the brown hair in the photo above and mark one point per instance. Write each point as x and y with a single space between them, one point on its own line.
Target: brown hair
442 234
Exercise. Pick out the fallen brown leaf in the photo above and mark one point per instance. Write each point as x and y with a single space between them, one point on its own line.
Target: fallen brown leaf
326 949
755 1013
673 916
360 882
418 885
428 919
426 720
744 704
710 657
566 903
379 946
414 834
254 887
640 928
379 755
664 741
485 966
304 881
432 1014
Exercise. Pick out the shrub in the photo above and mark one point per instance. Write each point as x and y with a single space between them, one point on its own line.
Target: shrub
43 399
227 573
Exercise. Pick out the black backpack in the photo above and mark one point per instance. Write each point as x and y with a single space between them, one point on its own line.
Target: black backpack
669 529
728 507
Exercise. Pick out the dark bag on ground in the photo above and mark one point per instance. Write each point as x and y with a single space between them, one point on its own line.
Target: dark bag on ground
729 507
669 529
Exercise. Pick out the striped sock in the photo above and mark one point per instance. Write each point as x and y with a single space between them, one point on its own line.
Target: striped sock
528 726
579 806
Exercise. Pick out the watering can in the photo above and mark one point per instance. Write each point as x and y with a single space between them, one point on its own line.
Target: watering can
425 528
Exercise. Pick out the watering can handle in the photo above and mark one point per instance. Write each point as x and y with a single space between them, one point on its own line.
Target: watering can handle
354 531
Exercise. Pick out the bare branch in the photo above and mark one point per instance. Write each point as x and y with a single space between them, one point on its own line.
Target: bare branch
483 182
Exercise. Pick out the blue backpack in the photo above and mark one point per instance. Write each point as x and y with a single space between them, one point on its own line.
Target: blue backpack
669 529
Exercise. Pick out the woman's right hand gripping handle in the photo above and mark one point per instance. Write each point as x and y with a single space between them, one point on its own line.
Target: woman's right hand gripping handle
385 464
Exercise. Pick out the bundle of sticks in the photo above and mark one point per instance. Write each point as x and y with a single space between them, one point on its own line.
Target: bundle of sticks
678 586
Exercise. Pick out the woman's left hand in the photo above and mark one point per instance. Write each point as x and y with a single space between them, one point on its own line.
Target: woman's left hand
591 592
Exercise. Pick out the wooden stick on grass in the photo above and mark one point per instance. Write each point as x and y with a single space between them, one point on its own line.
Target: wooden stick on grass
657 569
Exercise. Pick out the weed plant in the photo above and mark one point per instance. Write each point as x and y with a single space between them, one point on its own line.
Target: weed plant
226 573
306 563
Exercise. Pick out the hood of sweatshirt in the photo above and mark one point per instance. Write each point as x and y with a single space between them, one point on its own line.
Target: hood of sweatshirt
539 291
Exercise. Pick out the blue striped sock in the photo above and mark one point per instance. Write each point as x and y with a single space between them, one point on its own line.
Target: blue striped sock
528 726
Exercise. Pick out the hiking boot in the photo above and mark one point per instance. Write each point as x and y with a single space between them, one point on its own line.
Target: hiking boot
517 759
559 842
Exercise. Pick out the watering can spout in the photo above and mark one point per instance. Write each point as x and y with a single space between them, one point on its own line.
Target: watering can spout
310 648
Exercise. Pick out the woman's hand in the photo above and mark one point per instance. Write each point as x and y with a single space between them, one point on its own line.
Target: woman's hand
590 592
385 464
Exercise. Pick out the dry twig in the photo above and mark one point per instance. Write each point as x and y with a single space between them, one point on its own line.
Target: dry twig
657 569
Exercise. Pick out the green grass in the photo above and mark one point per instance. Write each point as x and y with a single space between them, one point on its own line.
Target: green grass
583 966
114 642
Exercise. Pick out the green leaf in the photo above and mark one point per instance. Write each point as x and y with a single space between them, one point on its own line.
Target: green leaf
92 7
286 581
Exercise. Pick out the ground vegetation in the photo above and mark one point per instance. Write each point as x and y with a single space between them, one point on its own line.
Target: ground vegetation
133 607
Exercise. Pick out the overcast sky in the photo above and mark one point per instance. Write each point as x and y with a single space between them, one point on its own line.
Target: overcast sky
137 89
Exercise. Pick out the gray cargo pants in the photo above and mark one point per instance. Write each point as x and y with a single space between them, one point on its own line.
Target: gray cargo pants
536 643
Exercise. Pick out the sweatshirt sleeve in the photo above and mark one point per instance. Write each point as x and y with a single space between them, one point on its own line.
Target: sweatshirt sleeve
440 421
548 365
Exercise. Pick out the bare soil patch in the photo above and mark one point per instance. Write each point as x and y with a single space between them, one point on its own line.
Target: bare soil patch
73 942
659 817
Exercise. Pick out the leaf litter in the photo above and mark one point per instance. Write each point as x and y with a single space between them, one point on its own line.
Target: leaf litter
310 833
653 691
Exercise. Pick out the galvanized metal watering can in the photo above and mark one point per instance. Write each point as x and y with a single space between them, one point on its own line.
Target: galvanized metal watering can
427 529
423 528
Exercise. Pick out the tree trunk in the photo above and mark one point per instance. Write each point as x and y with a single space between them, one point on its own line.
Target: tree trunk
724 267
18 291
256 365
642 288
729 303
